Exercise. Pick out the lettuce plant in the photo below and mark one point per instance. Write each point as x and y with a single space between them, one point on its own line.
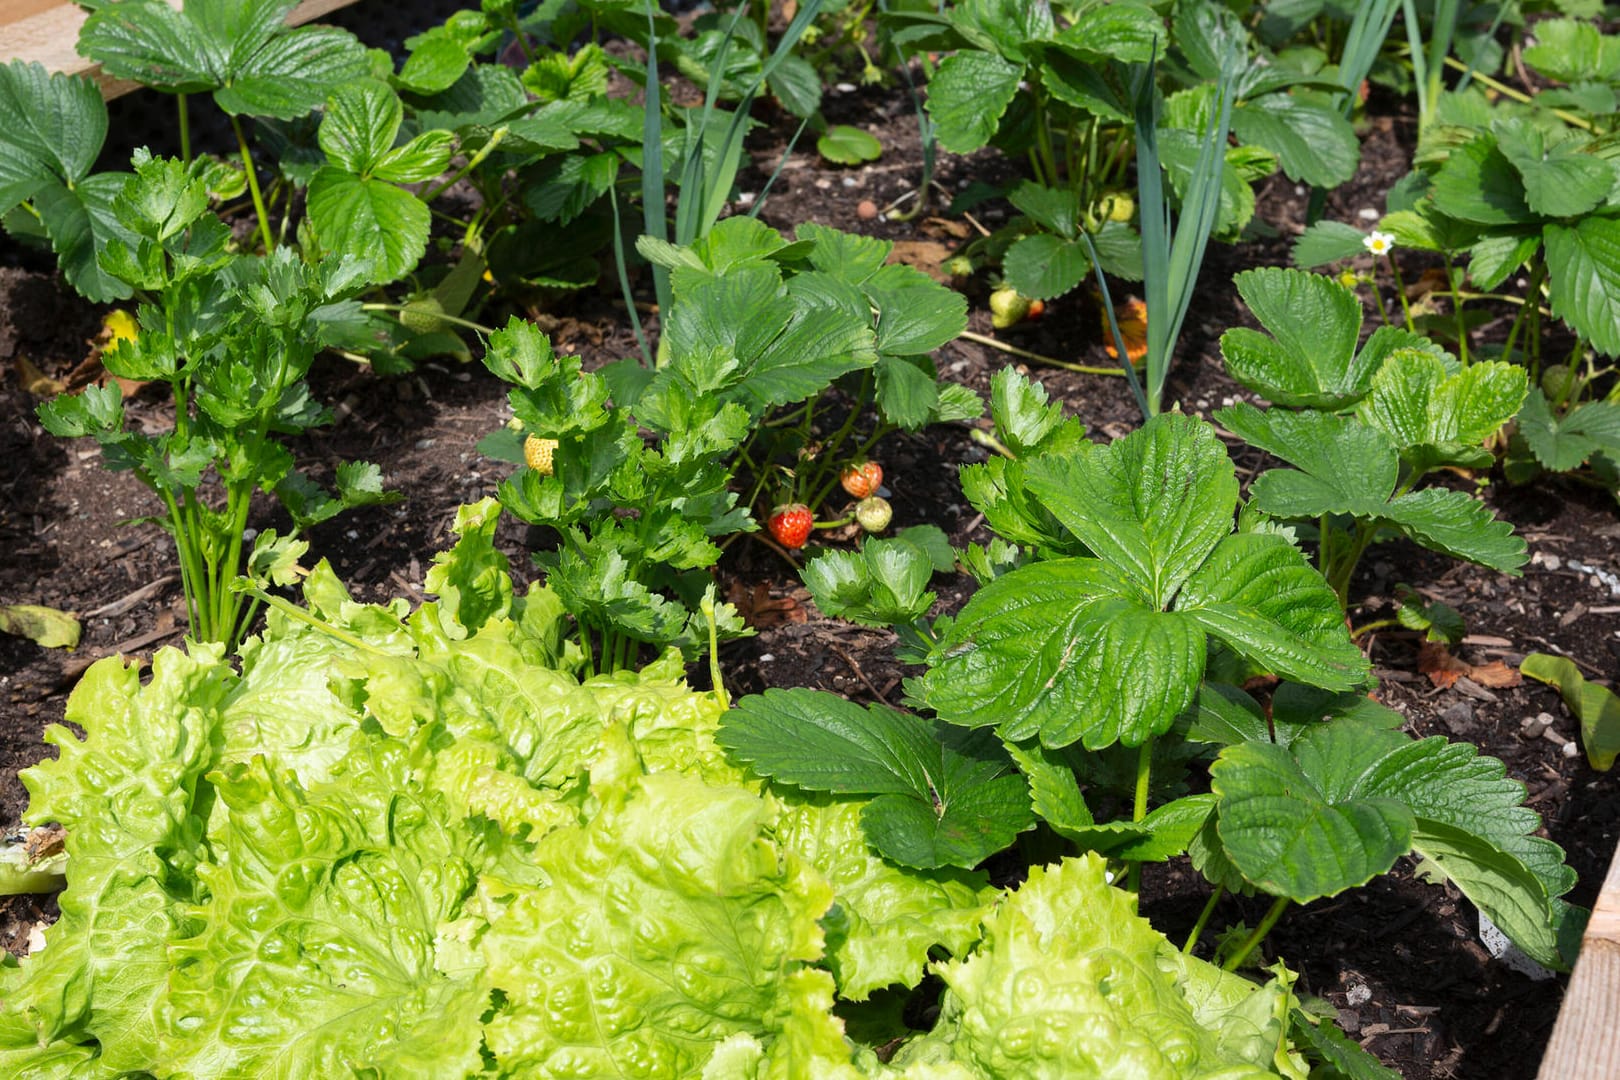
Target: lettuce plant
1355 472
413 839
232 338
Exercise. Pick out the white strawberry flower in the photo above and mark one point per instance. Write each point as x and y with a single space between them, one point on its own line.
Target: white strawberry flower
1379 243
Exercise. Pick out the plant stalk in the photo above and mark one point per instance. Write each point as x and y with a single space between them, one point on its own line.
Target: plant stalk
253 186
1203 919
1278 906
1014 350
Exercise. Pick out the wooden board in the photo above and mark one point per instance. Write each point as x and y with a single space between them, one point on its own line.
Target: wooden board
1585 1042
47 31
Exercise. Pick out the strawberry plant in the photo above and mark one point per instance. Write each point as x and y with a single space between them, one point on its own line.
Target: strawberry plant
1415 410
232 338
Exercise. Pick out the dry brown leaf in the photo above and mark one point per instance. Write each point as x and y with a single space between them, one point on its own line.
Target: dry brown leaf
938 226
925 255
35 381
761 610
43 842
1443 669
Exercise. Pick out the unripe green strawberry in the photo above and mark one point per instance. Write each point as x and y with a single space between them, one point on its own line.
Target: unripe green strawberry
874 513
958 266
538 454
1007 308
790 524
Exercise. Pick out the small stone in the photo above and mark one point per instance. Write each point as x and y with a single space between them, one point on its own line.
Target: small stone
1571 750
1367 213
844 87
850 181
824 183
423 444
766 658
866 210
1551 562
1358 994
746 198
1458 716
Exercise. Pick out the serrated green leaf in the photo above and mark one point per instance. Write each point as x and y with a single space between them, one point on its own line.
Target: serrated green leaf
1568 442
82 224
361 121
1352 468
56 130
1042 266
906 394
883 584
1057 210
915 313
1026 420
1312 139
1309 358
1154 503
1498 255
1435 417
242 52
1583 261
1478 184
942 799
1573 50
1127 32
1326 242
1560 180
1294 821
1085 648
843 144
371 219
967 96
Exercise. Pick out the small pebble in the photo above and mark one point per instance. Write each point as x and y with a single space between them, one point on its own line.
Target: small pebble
1571 750
352 535
824 183
1358 994
423 444
766 658
866 210
850 181
1551 562
845 87
1367 213
746 198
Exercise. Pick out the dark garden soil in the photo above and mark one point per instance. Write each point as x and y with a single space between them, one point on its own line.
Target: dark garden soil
1401 960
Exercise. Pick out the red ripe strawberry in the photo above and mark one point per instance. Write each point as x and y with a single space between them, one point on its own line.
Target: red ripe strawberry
1037 308
861 480
790 524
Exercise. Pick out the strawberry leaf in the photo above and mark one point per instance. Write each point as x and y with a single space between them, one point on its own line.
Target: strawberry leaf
942 798
241 51
1113 648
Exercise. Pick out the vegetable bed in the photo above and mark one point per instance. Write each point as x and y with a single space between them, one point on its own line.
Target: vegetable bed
412 687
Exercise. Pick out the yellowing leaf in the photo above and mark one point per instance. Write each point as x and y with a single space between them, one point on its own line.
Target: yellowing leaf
41 625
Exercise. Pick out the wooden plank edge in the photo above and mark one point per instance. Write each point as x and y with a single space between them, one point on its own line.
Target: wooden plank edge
51 38
1585 1043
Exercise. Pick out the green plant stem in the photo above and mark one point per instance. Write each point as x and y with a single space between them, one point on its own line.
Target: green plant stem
188 559
1014 350
253 185
1278 906
1400 292
1377 624
1457 312
1538 274
472 163
185 127
990 442
478 327
1517 95
1378 299
1203 919
1043 138
1343 567
293 611
1144 776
